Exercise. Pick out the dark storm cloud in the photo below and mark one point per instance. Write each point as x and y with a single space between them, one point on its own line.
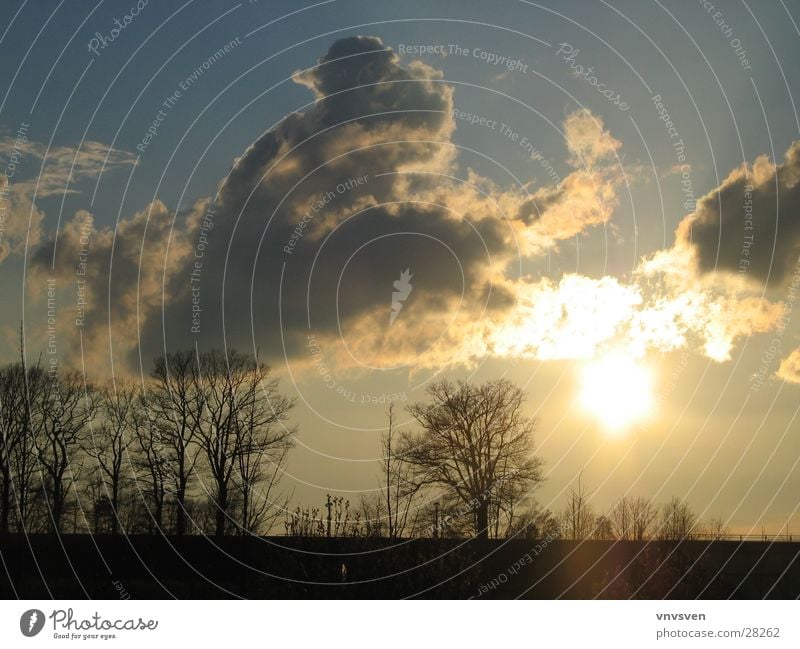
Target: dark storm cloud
309 194
316 221
751 223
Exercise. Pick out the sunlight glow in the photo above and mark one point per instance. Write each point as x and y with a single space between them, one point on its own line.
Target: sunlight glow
618 390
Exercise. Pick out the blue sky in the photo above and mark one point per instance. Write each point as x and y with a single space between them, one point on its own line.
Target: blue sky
723 93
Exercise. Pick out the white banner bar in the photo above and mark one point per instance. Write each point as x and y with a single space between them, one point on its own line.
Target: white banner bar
390 624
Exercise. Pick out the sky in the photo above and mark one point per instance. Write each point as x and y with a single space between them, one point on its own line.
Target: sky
596 200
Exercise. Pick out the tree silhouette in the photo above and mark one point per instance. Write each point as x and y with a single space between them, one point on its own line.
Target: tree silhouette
109 443
20 389
152 463
220 416
474 440
264 441
238 428
13 434
632 518
578 518
64 407
175 410
678 521
399 486
603 529
644 515
716 529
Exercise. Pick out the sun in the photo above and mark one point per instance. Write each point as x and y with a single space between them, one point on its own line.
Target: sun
618 391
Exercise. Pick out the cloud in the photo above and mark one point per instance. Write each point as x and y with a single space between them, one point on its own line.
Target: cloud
578 317
789 369
30 169
588 140
583 200
110 280
720 311
20 220
750 224
61 166
586 197
319 216
574 318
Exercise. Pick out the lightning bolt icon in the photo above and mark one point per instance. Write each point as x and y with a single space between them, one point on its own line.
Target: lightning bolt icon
32 621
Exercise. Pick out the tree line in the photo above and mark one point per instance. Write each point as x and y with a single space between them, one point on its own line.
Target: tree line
471 470
201 446
629 519
633 519
203 440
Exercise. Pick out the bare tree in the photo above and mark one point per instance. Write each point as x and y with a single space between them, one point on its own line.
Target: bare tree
175 410
510 507
65 406
445 515
20 389
603 530
536 523
239 430
578 518
373 513
632 518
220 384
644 515
13 431
398 478
716 528
474 439
25 465
109 445
621 519
153 462
678 521
263 444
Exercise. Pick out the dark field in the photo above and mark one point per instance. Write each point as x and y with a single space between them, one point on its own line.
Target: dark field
196 567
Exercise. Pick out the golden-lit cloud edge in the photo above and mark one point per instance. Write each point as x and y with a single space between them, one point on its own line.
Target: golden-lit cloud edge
398 120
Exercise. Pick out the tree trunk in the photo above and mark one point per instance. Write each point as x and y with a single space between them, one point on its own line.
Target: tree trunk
222 510
246 510
5 504
22 488
180 512
482 521
57 509
114 507
159 511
